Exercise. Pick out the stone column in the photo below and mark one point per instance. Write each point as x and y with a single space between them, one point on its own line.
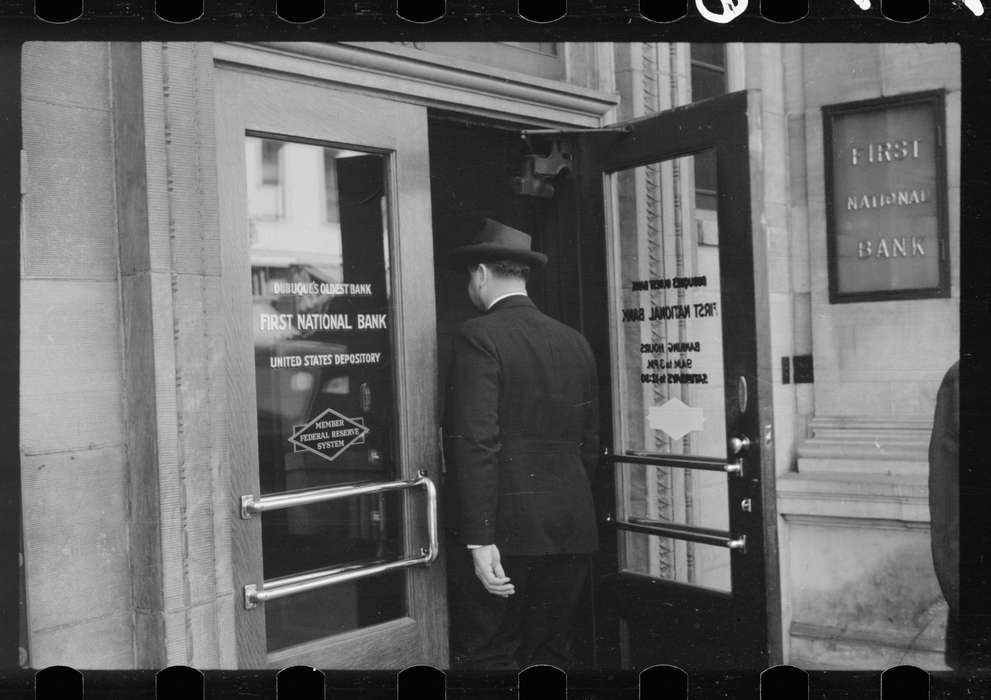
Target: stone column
173 354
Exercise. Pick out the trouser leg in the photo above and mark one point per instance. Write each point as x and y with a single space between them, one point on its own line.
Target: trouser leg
952 654
556 587
485 629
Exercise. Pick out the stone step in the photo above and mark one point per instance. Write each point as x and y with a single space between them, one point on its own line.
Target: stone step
862 465
870 423
866 445
853 495
815 647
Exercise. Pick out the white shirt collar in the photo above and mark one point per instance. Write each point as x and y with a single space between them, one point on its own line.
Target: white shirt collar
500 298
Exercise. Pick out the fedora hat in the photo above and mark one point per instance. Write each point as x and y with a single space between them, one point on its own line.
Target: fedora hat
496 241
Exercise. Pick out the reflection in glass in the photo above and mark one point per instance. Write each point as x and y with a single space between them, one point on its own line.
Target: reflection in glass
672 360
708 79
708 70
318 231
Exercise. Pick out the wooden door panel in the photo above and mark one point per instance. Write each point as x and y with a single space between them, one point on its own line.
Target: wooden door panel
363 132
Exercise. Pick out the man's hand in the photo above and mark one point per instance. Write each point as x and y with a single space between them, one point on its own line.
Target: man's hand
489 571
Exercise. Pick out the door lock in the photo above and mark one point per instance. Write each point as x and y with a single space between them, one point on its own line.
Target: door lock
747 505
739 444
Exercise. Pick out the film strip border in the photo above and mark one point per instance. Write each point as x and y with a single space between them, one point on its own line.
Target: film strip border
539 682
833 16
411 13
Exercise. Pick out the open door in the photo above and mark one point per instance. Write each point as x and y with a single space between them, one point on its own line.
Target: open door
675 304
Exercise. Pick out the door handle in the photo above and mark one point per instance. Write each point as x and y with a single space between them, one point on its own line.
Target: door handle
254 594
739 444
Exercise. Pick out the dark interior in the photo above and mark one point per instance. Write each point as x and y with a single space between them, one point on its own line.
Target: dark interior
472 166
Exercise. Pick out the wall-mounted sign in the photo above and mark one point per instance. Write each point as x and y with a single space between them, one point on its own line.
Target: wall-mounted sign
886 198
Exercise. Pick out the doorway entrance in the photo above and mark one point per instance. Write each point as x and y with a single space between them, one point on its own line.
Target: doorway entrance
336 303
651 244
473 165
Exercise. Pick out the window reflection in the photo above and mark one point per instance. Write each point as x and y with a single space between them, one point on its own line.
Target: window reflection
318 232
264 159
708 79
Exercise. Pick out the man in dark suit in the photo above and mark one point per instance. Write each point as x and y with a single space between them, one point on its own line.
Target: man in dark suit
524 442
944 503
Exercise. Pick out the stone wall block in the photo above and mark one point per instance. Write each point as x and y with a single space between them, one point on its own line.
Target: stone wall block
73 645
912 67
70 397
69 204
68 73
843 72
853 399
85 577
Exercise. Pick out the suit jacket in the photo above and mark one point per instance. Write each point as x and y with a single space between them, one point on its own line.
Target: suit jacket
944 486
525 432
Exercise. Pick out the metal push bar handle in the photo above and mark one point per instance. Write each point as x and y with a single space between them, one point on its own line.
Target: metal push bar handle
311 580
719 538
293 585
250 505
656 459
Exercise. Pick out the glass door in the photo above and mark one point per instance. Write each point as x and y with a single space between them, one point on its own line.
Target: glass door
689 565
673 469
324 218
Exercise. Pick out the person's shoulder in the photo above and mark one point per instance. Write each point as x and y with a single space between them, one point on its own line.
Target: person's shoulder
566 331
951 378
475 327
953 373
562 327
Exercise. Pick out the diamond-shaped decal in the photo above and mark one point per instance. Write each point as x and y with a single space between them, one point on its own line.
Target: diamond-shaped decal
329 434
676 418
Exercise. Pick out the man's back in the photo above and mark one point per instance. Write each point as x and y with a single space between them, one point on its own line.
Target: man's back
524 441
526 424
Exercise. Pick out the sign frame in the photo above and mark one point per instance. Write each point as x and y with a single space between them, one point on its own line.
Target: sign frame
937 100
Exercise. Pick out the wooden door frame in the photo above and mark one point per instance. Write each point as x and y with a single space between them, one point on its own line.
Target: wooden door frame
265 104
406 75
735 126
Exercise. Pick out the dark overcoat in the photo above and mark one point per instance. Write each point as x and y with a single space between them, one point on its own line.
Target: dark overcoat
524 439
944 503
944 486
